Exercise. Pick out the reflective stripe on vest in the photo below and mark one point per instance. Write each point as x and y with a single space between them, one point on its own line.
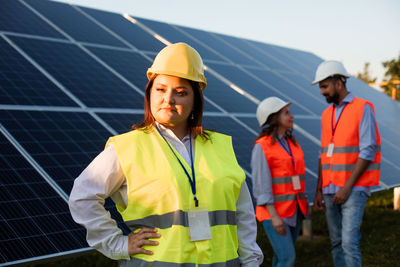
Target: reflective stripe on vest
346 149
337 168
291 197
348 167
282 170
287 179
179 217
142 263
159 193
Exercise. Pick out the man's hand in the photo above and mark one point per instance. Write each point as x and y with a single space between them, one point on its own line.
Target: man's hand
318 201
279 225
137 240
341 195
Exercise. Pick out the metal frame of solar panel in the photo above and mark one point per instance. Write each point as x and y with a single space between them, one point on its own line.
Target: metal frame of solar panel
70 77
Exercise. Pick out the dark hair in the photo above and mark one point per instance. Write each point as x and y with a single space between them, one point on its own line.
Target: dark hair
272 129
338 77
193 124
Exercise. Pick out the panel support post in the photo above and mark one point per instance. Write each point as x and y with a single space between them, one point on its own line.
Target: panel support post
307 229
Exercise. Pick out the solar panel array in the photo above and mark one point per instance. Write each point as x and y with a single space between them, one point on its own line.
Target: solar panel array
70 77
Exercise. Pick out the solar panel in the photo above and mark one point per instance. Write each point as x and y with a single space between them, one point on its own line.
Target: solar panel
11 22
130 32
74 76
217 91
174 36
34 219
254 87
23 84
258 55
73 23
231 53
283 55
88 80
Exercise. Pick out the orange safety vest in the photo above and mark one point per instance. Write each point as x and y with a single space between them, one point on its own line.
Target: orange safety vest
281 166
337 168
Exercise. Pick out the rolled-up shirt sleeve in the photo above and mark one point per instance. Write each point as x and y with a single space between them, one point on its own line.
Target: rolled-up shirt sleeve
261 177
367 134
102 178
250 254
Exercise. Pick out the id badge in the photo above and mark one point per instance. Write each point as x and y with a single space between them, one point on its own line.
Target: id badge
296 182
330 150
199 224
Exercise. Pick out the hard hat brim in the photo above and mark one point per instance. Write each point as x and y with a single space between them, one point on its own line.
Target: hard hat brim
320 80
202 80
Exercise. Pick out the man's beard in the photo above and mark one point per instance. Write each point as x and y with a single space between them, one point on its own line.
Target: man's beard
332 99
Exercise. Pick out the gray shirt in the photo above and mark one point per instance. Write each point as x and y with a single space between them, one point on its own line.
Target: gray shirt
367 137
262 180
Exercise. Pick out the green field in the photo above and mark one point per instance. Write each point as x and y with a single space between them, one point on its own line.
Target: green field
380 242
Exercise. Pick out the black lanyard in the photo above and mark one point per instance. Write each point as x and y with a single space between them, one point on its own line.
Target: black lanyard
287 149
192 182
333 111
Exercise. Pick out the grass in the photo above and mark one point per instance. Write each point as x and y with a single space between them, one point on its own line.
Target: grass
380 242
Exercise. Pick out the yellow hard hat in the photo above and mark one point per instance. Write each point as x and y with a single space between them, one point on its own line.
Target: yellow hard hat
180 60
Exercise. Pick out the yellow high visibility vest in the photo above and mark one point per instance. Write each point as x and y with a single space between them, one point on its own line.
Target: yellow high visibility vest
159 196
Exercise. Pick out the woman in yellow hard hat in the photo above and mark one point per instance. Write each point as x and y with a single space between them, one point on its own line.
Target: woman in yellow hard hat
278 171
177 187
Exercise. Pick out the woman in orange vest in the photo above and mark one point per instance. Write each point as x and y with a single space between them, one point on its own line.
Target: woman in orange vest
278 171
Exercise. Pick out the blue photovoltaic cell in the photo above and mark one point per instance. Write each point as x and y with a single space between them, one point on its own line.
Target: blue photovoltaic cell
390 173
74 23
282 55
34 219
63 143
16 17
251 85
22 84
221 47
385 108
309 60
310 150
121 122
304 98
255 53
297 60
312 126
133 66
129 31
174 36
226 97
89 81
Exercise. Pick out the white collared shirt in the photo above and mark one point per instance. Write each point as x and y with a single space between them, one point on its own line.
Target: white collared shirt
104 178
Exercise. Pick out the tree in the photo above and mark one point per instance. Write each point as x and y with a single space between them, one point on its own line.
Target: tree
365 75
392 76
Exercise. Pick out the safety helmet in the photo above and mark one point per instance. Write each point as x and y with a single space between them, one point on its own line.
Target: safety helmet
329 68
180 60
269 106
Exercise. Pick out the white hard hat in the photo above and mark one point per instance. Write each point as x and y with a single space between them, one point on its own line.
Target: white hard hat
269 106
179 60
329 68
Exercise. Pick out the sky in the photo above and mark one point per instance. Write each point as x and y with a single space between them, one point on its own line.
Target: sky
351 31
